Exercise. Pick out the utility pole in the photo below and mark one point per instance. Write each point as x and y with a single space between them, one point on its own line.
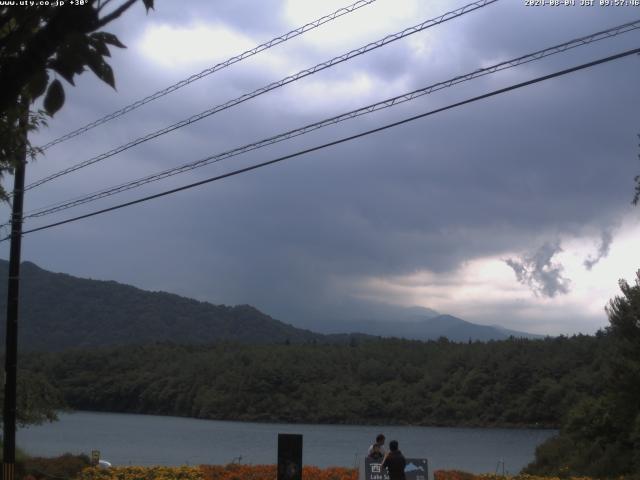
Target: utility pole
13 297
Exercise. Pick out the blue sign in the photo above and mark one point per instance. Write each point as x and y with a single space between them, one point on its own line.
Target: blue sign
416 469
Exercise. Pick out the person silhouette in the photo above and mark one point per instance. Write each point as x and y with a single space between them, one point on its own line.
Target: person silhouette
394 462
376 451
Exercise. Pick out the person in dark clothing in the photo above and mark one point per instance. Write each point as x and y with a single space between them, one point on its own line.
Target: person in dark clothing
394 462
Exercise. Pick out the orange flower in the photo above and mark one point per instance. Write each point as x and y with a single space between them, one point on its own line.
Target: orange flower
268 472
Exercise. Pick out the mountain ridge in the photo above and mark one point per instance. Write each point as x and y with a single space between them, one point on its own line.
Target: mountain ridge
60 311
427 328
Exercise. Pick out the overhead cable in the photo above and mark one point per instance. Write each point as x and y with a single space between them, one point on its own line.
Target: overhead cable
182 83
272 86
339 141
585 40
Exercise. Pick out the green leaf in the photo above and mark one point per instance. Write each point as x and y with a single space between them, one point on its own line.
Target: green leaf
54 99
102 69
64 70
67 66
93 59
109 38
101 47
38 84
71 58
8 27
107 75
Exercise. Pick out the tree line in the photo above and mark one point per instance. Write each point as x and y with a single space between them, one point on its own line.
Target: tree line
516 382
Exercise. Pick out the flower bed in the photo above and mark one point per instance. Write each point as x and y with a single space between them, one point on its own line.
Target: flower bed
267 472
142 473
458 475
213 472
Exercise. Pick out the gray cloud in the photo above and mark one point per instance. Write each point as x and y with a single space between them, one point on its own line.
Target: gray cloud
603 250
539 273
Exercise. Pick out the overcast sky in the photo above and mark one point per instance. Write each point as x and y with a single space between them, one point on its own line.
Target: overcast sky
514 210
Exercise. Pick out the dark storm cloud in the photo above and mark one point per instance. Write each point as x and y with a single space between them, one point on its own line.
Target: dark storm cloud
500 175
261 18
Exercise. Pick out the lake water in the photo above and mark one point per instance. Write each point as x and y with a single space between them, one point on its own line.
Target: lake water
125 439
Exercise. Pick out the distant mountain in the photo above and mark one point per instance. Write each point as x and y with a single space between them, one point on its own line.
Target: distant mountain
59 311
408 323
386 320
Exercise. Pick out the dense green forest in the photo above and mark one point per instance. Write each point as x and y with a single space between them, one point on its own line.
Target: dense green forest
504 383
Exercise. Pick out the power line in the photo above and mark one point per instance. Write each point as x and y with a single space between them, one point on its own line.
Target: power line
341 140
182 83
585 40
272 86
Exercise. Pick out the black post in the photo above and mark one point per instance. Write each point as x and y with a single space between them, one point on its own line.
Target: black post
289 456
11 348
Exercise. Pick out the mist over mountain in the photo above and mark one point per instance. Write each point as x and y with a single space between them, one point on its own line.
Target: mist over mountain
387 320
59 311
423 327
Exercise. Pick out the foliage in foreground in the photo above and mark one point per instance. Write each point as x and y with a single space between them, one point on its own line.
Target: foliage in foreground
37 399
600 436
459 475
213 472
268 472
142 473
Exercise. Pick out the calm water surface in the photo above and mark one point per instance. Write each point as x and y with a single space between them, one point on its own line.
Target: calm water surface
125 439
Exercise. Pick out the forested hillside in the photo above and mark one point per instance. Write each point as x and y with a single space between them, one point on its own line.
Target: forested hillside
60 311
505 383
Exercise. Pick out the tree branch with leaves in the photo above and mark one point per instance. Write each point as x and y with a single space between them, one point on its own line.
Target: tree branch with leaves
41 45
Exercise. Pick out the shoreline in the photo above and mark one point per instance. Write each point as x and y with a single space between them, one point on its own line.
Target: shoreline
473 426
